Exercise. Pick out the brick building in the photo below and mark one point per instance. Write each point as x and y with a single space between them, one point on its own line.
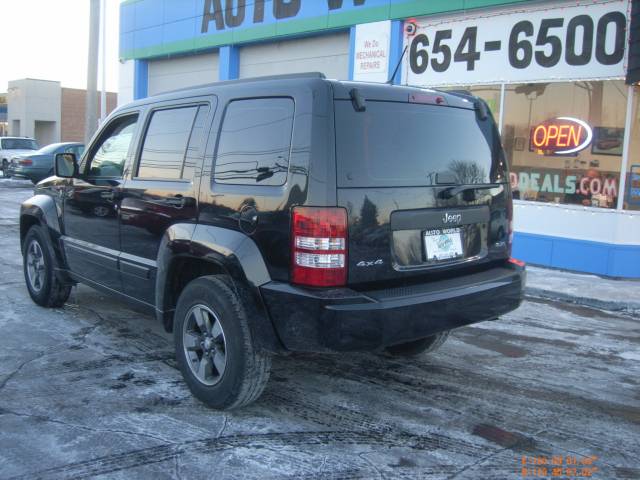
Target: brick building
48 112
73 106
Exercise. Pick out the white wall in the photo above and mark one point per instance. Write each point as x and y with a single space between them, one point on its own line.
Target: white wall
45 132
328 54
577 222
30 100
125 82
180 72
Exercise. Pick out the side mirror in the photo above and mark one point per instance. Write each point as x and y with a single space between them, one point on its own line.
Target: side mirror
66 165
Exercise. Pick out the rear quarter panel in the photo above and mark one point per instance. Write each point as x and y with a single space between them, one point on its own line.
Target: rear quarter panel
309 181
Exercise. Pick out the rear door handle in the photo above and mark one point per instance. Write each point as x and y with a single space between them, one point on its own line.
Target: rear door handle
108 195
179 201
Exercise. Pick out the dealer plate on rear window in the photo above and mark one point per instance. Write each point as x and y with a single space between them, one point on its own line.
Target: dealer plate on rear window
443 244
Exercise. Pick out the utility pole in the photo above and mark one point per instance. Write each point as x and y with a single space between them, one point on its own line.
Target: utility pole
103 61
91 117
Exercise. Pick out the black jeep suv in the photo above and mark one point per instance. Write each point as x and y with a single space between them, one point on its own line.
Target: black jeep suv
281 214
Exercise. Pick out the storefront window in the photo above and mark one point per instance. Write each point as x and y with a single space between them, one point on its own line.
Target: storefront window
564 141
632 193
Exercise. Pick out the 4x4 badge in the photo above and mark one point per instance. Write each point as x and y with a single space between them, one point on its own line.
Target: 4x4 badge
364 263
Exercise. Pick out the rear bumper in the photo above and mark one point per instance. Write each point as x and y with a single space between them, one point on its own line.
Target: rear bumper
313 320
30 173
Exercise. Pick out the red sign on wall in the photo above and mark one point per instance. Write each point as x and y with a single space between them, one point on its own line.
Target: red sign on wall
560 136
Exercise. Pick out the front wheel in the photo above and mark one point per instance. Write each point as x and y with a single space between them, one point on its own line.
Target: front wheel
418 347
38 261
214 347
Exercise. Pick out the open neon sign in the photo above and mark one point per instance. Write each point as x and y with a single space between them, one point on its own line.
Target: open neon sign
560 136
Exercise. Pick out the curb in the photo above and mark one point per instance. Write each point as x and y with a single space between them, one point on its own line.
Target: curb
629 307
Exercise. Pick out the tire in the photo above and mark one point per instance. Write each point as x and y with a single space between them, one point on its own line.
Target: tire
5 168
39 264
418 347
219 362
101 211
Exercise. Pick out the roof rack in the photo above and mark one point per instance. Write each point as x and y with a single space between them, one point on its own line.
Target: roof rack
283 76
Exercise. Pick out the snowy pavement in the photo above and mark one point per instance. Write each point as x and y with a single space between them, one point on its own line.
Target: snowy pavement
584 289
91 390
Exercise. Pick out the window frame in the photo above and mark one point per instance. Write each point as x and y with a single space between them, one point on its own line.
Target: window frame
214 185
89 153
135 167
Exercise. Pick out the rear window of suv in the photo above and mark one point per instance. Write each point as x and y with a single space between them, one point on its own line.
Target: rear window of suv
394 144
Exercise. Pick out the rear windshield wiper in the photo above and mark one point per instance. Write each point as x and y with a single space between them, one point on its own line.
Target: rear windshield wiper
452 191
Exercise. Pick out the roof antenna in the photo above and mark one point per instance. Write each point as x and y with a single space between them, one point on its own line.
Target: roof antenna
390 81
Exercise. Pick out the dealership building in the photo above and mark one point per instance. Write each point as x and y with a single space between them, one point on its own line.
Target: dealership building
561 77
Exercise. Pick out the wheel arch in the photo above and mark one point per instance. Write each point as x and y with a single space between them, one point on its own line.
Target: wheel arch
192 251
41 210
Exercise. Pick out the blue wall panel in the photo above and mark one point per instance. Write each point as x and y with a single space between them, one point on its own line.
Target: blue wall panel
179 30
229 63
571 254
175 10
140 79
395 50
148 14
147 37
532 248
624 261
352 50
578 255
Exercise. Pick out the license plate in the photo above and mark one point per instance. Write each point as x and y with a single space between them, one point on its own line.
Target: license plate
443 244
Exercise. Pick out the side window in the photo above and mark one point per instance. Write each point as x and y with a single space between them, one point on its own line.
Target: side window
165 143
113 146
191 158
255 142
76 149
71 149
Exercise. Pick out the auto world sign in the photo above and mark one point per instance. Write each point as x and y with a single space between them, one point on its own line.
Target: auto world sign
230 14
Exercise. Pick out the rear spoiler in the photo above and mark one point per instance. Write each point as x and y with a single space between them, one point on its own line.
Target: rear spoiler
479 104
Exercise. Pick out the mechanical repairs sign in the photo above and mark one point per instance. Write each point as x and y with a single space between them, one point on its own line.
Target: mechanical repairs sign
548 43
371 56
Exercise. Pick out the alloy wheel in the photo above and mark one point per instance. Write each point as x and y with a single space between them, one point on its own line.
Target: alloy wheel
35 266
204 344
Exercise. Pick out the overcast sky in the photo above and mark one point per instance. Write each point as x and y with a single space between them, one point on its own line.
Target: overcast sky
49 39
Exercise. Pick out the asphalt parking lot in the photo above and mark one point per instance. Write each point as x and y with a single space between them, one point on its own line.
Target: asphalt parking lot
91 390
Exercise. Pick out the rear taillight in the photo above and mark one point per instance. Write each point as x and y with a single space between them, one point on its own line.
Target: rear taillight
25 162
517 262
319 246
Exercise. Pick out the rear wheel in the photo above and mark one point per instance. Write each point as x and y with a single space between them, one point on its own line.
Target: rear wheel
214 347
418 347
39 265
